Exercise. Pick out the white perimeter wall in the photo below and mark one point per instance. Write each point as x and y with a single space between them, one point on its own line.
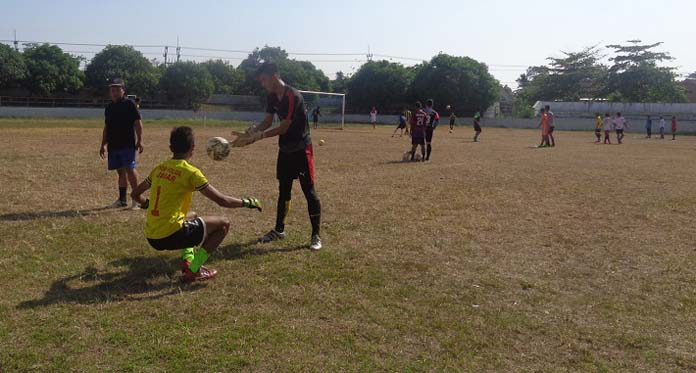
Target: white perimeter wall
636 124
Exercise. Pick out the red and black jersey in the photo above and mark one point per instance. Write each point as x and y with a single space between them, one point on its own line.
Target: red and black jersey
290 106
418 122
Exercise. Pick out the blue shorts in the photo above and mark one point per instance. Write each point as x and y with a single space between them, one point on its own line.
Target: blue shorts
121 158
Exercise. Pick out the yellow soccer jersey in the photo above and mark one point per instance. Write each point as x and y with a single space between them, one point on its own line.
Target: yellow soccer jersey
599 123
172 184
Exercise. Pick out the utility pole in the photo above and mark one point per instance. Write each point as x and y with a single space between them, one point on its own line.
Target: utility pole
166 51
178 50
16 43
369 54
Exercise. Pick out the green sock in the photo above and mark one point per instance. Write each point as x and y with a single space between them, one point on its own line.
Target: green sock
198 260
187 254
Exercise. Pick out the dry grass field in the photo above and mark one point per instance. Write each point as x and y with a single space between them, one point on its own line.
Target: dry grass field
494 256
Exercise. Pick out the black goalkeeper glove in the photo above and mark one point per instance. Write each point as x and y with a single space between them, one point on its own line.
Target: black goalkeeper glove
145 205
251 203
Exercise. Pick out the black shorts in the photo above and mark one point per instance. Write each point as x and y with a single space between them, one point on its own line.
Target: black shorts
429 134
417 141
451 123
598 130
618 132
191 234
477 128
296 164
551 129
401 126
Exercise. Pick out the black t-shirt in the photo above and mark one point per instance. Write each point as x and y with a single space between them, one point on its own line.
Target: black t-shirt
120 117
290 105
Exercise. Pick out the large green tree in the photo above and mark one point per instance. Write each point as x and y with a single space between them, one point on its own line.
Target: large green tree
12 67
226 79
187 83
462 82
299 74
50 70
638 75
121 61
340 84
382 84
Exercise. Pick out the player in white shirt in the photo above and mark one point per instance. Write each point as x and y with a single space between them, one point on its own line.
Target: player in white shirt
619 125
662 127
552 124
373 117
607 126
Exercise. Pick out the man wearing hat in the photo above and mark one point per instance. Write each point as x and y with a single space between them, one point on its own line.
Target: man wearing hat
121 138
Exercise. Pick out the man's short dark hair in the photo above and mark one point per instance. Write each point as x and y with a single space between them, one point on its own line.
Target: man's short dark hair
267 68
181 140
429 102
547 107
137 99
418 105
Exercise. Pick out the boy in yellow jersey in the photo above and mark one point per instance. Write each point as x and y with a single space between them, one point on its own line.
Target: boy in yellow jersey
170 225
598 127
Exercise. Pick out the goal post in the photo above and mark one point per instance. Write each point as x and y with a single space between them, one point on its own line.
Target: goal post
333 107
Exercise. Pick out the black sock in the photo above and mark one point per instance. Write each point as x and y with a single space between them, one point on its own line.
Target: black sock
122 191
284 197
313 206
430 150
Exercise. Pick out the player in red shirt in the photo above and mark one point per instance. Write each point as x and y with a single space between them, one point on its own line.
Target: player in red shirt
419 120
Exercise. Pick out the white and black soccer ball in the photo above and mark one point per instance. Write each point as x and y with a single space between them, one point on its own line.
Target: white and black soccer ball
218 148
418 157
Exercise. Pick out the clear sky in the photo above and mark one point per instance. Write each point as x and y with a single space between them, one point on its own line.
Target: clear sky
508 35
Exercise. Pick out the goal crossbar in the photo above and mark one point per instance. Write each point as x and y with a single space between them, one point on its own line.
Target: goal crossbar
343 103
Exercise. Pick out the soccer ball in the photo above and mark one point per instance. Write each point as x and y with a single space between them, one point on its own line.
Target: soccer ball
407 156
449 107
218 148
322 142
418 157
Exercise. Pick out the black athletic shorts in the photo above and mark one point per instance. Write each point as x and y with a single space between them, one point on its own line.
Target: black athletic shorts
618 132
477 128
551 129
191 234
402 125
429 134
296 164
598 130
417 141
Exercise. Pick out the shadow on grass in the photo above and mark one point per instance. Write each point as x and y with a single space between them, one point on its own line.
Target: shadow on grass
144 278
26 216
235 251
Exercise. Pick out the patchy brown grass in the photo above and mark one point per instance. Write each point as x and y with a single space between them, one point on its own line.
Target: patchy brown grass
493 256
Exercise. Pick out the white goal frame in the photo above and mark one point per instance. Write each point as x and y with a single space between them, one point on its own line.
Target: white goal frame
343 103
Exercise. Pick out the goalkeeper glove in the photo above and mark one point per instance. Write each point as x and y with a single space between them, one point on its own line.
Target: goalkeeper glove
145 205
244 139
251 203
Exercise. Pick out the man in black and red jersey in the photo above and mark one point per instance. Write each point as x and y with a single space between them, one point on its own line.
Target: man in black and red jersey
419 120
296 155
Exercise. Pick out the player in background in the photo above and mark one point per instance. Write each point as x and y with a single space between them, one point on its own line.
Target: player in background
619 125
674 128
477 124
407 114
295 155
648 127
137 102
552 124
401 126
662 127
169 224
544 125
373 117
121 138
607 126
419 120
598 128
453 119
433 121
316 113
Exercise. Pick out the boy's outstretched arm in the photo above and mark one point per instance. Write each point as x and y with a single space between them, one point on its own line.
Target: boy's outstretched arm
230 202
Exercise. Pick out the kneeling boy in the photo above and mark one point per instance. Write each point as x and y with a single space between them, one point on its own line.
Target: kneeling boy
169 225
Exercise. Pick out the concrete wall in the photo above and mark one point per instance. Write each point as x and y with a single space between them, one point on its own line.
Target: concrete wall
636 123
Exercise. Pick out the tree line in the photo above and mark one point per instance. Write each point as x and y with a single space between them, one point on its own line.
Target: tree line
635 72
47 70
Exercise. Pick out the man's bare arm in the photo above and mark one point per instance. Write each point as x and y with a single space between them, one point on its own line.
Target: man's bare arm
265 123
102 147
137 193
139 135
230 202
280 130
